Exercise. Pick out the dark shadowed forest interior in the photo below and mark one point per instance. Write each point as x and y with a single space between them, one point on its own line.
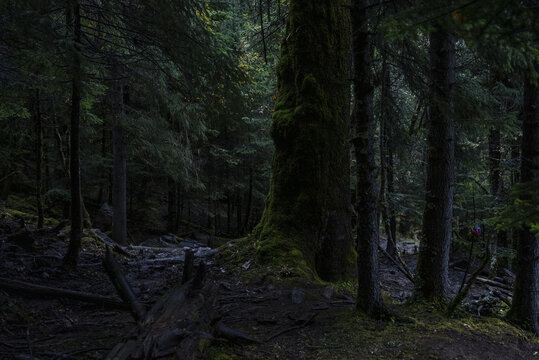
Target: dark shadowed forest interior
269 179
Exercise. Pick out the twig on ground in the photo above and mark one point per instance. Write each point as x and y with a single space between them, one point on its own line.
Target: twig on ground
301 325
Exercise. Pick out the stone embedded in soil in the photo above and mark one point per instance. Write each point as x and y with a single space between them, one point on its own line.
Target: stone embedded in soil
328 292
297 295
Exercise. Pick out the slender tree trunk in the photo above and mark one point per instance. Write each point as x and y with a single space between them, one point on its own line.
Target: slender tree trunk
179 206
494 154
496 190
72 255
39 160
217 217
432 267
525 295
306 222
260 12
100 196
119 177
386 162
228 212
239 208
369 296
172 225
249 202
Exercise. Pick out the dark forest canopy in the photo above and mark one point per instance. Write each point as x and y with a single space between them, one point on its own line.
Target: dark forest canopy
312 138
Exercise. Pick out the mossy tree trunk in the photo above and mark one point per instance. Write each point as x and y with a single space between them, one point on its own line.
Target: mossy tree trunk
306 222
369 297
432 279
525 296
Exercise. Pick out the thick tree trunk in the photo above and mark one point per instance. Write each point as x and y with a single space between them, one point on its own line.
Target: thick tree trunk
72 255
306 221
119 177
369 296
432 268
39 160
525 296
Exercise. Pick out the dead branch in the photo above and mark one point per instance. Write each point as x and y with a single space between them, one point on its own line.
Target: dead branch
33 289
115 273
399 266
494 283
301 324
223 331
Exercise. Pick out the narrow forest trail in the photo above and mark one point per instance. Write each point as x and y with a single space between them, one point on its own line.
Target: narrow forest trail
300 321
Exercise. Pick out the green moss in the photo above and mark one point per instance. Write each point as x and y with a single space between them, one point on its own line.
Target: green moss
23 203
217 352
364 338
30 218
303 223
92 241
203 345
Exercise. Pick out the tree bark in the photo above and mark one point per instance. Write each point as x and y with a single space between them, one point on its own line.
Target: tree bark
525 295
499 237
172 202
100 196
245 226
260 12
239 209
39 160
306 221
118 279
369 295
119 177
494 154
386 162
72 255
432 268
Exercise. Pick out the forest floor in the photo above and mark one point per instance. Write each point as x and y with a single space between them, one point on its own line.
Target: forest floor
291 319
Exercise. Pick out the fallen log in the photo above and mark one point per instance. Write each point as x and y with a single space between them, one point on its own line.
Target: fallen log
176 327
156 249
34 289
109 242
115 273
176 259
494 283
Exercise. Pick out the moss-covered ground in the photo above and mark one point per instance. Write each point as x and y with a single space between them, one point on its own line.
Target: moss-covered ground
338 331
